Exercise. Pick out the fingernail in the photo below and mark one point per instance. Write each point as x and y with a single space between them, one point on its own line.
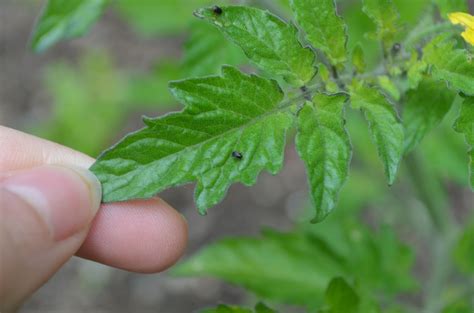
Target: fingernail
66 198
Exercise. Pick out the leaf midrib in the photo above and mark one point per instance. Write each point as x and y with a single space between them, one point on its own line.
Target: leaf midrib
187 148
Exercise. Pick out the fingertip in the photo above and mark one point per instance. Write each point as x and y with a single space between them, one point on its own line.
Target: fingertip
145 236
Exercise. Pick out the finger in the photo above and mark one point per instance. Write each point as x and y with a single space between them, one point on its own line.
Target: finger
142 236
45 216
138 222
20 150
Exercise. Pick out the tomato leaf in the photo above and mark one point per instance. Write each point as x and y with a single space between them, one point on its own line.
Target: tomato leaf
340 297
65 19
465 125
296 267
464 250
267 41
324 29
425 107
358 59
230 130
385 15
324 145
384 123
455 66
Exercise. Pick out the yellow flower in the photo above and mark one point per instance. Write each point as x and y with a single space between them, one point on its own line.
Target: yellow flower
466 20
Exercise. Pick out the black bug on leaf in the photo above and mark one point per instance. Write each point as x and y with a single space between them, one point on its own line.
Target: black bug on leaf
217 10
396 48
237 155
306 93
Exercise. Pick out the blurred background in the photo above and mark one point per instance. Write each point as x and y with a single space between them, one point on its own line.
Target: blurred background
87 93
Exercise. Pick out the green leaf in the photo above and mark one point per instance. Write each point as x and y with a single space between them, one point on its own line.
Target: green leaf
65 19
224 115
384 123
290 268
358 59
296 267
377 260
323 144
446 152
459 307
206 49
262 308
449 6
95 91
389 87
268 41
455 66
425 107
465 125
324 29
464 250
416 70
341 298
150 90
385 15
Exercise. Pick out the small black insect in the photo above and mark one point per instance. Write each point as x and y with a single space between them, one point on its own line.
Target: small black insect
217 10
396 48
306 93
237 155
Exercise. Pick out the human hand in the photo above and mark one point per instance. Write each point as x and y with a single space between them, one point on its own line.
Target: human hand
49 211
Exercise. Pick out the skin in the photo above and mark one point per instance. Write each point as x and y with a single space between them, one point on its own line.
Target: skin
37 237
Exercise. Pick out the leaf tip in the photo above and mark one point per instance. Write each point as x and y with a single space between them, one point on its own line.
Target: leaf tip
320 217
209 12
199 13
202 211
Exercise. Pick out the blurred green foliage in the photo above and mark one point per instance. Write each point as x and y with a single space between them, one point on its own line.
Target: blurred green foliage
205 50
151 17
296 267
464 250
340 297
64 19
82 99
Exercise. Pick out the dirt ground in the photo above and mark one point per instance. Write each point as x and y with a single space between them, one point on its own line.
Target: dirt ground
84 286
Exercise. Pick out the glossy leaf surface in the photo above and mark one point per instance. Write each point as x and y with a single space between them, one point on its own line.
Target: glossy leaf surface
384 123
324 29
225 116
323 144
267 40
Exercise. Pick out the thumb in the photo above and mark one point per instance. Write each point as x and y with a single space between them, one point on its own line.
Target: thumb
45 213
